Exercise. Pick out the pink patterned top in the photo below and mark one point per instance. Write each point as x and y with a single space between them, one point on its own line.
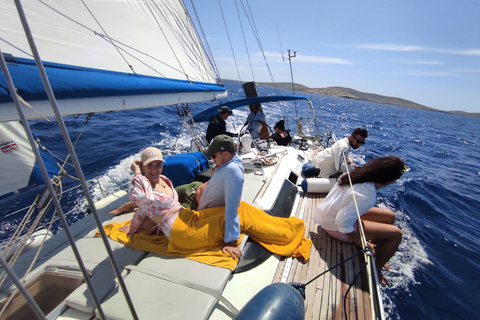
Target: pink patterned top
152 202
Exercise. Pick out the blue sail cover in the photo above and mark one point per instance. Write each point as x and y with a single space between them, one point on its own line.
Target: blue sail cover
73 82
207 114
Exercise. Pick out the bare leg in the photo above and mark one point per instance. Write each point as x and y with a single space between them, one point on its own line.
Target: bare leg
386 238
148 224
124 208
381 215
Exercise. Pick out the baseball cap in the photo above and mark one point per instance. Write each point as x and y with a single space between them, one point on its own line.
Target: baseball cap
225 109
219 143
151 154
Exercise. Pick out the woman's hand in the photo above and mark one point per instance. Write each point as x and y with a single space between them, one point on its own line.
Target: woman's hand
135 167
371 246
125 228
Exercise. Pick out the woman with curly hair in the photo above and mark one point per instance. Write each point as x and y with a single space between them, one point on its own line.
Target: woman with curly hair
337 214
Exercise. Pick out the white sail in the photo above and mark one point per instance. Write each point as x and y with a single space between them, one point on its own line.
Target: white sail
150 47
17 161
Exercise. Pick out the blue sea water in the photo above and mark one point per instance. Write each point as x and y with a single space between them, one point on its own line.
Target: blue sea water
434 275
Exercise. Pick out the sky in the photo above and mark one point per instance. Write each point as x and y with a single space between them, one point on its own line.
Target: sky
424 51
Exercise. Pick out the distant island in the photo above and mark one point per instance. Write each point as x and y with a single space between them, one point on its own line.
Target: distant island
348 93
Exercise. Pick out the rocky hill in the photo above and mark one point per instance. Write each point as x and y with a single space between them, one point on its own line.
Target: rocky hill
358 95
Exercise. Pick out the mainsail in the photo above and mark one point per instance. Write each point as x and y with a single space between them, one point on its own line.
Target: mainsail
105 55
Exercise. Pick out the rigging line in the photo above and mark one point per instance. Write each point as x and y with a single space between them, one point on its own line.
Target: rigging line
359 221
169 44
251 20
350 287
230 41
191 128
35 258
89 116
25 103
16 236
280 41
335 266
42 214
205 45
291 75
244 40
19 230
106 38
109 39
363 240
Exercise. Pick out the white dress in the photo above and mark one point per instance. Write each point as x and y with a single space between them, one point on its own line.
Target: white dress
338 213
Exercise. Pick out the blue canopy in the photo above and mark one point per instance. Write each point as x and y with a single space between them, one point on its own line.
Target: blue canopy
205 115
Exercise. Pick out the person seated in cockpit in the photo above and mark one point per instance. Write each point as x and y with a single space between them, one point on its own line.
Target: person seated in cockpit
281 136
257 122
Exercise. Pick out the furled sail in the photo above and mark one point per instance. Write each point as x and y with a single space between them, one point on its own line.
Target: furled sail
18 169
105 55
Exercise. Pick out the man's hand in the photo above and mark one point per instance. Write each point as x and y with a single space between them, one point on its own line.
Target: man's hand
232 251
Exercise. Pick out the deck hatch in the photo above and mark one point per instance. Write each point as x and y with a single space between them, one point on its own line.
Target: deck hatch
49 291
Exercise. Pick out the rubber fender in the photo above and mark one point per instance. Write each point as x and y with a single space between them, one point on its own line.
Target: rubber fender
318 185
278 301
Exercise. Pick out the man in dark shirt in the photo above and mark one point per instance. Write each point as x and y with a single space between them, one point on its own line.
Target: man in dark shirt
218 125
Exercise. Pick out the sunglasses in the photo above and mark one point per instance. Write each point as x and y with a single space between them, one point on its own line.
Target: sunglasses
358 141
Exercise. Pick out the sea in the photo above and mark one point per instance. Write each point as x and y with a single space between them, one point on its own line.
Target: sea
434 274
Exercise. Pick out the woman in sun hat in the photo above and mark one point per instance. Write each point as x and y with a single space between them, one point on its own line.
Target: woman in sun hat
153 193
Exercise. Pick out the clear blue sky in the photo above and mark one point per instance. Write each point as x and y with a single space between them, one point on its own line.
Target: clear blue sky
425 51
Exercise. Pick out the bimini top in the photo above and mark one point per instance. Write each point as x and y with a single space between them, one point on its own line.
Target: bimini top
207 114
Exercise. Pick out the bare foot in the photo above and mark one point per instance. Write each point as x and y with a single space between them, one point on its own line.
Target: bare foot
384 282
115 212
124 208
386 267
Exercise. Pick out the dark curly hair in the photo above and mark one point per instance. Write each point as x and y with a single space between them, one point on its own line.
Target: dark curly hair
280 125
382 170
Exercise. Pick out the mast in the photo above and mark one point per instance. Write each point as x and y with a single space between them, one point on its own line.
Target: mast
290 56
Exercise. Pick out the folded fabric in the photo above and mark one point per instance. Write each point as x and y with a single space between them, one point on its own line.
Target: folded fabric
198 235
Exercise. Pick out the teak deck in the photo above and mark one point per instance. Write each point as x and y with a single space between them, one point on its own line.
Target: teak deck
325 295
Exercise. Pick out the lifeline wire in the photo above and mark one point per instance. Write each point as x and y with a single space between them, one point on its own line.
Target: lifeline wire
364 245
